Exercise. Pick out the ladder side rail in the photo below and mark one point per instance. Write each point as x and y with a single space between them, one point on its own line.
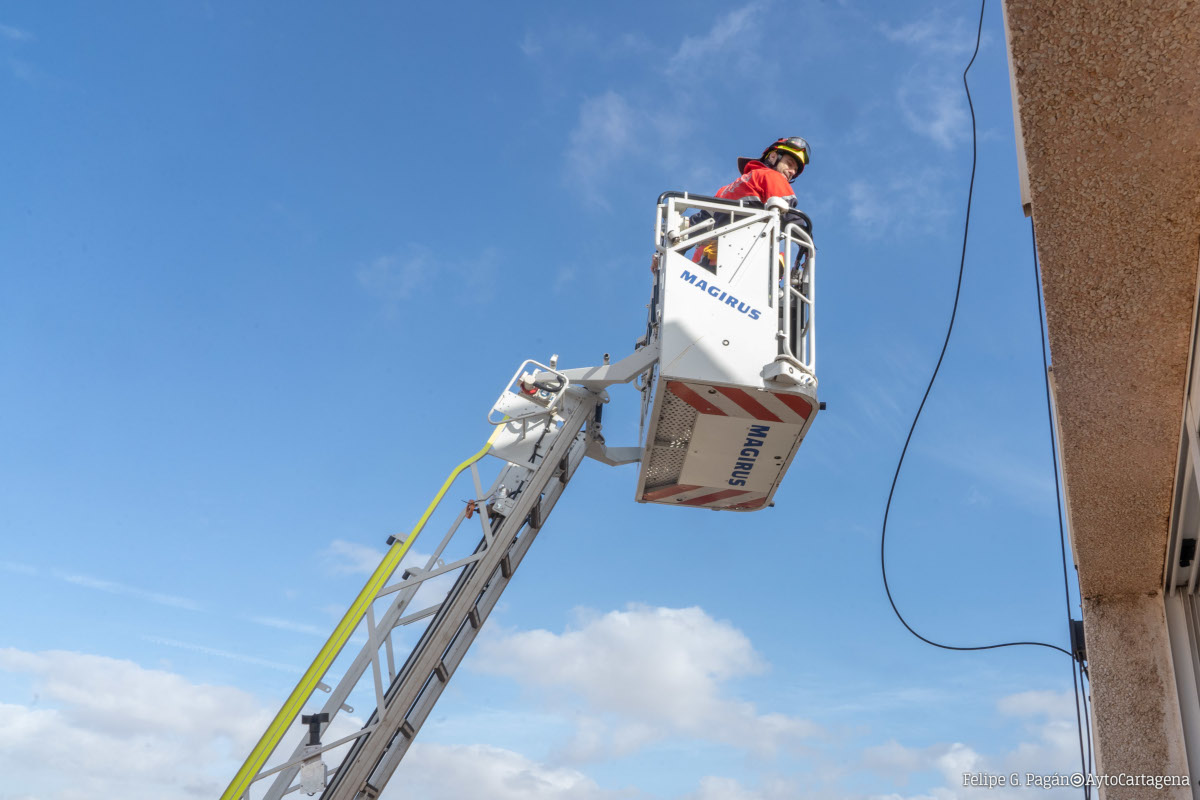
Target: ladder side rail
389 621
405 673
484 605
353 778
510 474
240 784
426 659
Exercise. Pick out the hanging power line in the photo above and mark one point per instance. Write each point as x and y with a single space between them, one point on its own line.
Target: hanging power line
949 329
1077 673
1076 664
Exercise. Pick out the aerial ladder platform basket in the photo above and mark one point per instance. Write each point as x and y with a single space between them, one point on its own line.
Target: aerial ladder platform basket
726 372
734 389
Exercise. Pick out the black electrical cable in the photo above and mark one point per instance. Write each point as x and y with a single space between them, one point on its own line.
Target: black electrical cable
1078 673
1084 683
1079 726
942 355
1076 667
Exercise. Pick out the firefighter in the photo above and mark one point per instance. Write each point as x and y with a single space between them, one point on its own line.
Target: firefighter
761 179
769 176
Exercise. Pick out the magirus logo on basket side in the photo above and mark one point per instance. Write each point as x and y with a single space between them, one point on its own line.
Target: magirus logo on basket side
714 291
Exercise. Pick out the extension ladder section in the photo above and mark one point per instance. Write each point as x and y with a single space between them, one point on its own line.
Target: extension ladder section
511 513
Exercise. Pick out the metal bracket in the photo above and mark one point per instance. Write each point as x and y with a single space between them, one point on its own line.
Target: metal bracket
613 456
524 398
786 371
1078 643
624 371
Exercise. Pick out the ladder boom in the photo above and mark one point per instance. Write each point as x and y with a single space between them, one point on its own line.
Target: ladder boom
517 505
727 376
374 757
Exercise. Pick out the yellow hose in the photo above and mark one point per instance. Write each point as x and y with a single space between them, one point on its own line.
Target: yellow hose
337 640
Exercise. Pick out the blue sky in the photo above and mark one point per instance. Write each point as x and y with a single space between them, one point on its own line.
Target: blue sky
266 269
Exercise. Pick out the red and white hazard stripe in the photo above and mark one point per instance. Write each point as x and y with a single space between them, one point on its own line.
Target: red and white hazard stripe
726 401
704 496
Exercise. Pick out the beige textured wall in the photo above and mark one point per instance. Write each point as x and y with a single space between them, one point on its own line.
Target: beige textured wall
1134 703
1109 99
1108 93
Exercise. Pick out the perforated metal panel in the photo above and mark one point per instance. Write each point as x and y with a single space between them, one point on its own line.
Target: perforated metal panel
671 438
675 423
665 466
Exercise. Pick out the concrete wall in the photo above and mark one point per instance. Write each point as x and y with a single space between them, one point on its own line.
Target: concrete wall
1108 98
1134 704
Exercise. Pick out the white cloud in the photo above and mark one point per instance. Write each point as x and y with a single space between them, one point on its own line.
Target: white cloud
1054 705
15 34
394 278
19 568
121 698
289 625
581 41
652 124
349 558
772 788
644 674
934 105
352 558
441 772
105 727
605 135
530 45
893 759
728 46
397 278
1053 749
934 35
113 587
717 788
931 96
224 654
563 279
102 727
868 207
606 126
22 70
899 204
999 470
888 385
